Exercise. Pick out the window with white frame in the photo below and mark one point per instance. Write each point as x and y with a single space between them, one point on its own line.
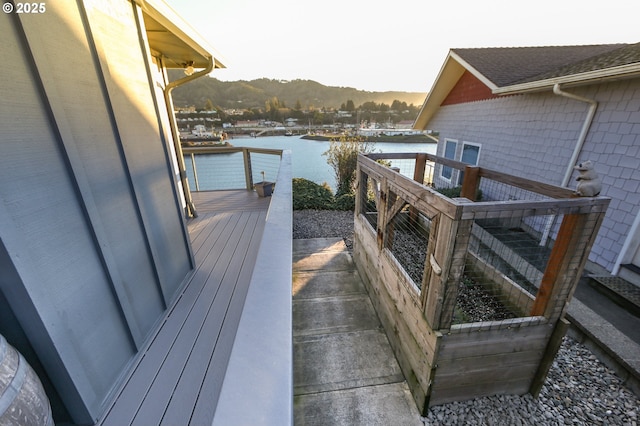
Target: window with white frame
450 147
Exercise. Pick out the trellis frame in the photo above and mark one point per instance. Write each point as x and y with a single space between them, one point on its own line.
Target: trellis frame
444 362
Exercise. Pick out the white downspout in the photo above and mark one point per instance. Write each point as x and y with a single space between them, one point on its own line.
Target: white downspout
593 105
182 169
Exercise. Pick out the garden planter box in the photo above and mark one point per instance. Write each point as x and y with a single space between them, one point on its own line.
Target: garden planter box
472 293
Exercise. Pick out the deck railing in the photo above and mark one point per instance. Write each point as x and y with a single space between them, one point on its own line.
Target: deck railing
219 168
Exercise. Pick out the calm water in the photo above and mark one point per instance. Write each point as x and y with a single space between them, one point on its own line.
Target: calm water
308 161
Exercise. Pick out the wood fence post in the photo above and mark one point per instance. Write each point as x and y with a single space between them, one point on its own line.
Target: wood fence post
382 212
421 164
248 174
558 264
418 176
361 190
471 182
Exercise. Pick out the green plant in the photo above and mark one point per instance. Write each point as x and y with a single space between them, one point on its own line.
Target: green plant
342 156
310 195
455 192
345 202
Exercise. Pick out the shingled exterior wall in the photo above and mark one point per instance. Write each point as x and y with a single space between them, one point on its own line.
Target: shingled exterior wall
533 135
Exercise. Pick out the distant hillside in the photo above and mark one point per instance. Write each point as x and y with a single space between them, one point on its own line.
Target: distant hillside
256 93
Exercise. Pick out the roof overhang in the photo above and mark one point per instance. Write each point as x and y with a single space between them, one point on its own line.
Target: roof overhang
454 66
581 79
172 38
448 76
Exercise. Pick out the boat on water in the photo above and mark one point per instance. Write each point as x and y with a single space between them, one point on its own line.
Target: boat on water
200 135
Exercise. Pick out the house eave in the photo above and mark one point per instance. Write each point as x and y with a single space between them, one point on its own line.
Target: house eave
490 84
452 69
449 73
171 37
591 77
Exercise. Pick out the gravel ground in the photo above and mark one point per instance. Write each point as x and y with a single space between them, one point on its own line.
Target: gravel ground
579 389
323 224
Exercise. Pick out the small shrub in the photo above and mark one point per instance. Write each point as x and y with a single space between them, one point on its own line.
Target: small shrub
342 156
345 202
455 192
310 195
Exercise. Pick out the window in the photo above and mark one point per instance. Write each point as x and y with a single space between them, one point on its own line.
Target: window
470 155
450 148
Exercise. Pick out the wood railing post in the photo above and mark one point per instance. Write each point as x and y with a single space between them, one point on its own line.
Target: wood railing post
361 190
557 270
248 174
382 213
418 176
195 171
471 182
421 165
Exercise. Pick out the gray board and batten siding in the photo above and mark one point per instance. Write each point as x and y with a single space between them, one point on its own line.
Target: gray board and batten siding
93 244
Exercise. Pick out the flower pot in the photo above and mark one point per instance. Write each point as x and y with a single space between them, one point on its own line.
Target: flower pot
264 189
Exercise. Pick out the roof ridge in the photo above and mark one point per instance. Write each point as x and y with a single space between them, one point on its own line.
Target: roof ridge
546 46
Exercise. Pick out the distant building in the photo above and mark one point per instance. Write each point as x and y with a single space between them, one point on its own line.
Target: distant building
247 123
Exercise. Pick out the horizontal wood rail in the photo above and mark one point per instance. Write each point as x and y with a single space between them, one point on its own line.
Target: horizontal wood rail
541 188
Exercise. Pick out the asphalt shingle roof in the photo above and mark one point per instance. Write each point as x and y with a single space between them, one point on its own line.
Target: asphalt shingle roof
507 66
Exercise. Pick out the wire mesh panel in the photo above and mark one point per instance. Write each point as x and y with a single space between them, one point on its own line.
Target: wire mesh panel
503 271
408 240
369 200
406 231
538 226
429 173
404 166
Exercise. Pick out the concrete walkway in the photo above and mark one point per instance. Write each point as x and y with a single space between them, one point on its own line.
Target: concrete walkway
345 372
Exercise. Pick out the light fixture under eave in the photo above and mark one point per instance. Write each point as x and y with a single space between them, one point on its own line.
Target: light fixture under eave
188 68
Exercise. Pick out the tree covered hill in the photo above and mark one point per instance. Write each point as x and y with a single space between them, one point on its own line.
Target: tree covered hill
305 94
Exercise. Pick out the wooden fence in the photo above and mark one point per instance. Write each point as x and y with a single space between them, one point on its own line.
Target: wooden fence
471 281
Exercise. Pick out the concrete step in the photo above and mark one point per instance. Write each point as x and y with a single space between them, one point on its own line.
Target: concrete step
345 372
630 273
619 290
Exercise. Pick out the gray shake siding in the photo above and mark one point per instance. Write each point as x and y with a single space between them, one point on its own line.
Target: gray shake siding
533 135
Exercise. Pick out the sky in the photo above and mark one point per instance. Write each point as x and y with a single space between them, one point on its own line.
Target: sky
390 45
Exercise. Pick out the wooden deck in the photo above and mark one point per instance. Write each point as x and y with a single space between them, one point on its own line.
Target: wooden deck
178 377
